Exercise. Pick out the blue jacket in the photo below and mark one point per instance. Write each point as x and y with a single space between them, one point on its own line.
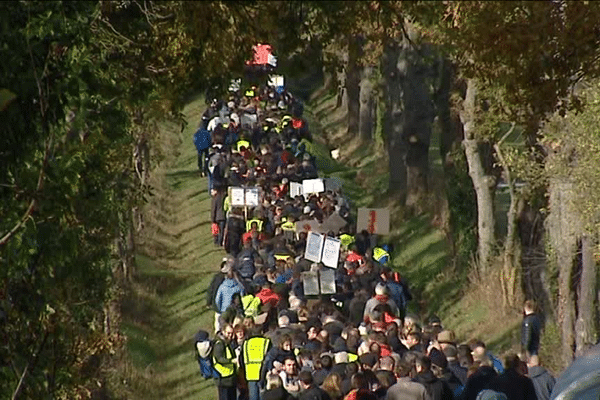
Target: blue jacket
397 294
228 288
202 139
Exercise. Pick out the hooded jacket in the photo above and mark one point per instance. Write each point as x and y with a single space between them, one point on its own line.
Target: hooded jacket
437 389
543 382
228 288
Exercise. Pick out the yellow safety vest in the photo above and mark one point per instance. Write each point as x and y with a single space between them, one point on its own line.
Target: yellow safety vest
379 253
258 222
254 352
251 305
249 93
352 357
225 370
288 226
226 204
281 256
241 143
346 240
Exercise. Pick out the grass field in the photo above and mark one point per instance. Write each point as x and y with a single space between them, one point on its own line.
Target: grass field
176 261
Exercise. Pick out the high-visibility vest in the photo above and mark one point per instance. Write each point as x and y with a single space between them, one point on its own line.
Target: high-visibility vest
346 240
258 222
226 204
243 143
283 257
254 351
225 370
379 255
352 357
288 226
249 93
250 304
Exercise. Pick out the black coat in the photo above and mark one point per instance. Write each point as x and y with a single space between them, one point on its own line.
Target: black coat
276 394
314 393
477 382
436 388
514 385
531 328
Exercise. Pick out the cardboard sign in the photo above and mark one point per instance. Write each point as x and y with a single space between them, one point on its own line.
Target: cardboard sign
331 252
310 281
296 189
314 247
334 223
373 220
327 281
313 186
333 184
237 196
308 226
253 197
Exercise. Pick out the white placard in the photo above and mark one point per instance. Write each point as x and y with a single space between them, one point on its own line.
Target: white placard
331 252
235 84
276 81
237 196
314 246
373 220
327 281
253 197
310 281
295 189
313 186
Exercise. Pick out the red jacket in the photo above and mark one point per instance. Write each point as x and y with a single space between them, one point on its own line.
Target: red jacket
267 295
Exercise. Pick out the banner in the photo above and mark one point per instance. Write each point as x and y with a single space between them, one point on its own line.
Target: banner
313 186
374 220
314 246
331 252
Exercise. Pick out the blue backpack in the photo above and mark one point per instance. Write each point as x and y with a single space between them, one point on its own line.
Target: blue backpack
203 347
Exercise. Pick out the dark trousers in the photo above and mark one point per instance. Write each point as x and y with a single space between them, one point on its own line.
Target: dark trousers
226 392
203 161
253 390
221 235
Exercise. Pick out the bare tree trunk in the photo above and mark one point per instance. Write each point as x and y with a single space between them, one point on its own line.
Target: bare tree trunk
512 245
367 104
585 327
562 226
353 86
396 144
481 182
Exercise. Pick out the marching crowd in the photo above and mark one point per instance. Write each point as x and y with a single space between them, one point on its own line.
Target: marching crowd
273 341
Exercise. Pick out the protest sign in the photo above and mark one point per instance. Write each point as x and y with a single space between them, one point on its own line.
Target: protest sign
333 224
310 281
313 186
237 196
308 225
253 197
295 189
331 252
333 184
373 220
327 281
314 246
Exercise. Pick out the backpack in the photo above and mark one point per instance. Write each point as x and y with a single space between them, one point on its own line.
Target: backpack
203 347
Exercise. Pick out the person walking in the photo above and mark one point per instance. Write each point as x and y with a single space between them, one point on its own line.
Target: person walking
531 328
254 351
224 363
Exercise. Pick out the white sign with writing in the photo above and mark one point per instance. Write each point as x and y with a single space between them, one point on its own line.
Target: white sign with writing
313 186
314 247
253 197
296 189
237 196
331 252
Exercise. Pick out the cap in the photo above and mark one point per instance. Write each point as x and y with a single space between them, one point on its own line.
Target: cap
446 336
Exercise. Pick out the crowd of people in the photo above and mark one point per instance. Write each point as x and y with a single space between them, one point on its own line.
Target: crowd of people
274 342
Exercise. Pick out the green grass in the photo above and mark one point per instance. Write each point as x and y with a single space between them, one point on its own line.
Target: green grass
176 260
